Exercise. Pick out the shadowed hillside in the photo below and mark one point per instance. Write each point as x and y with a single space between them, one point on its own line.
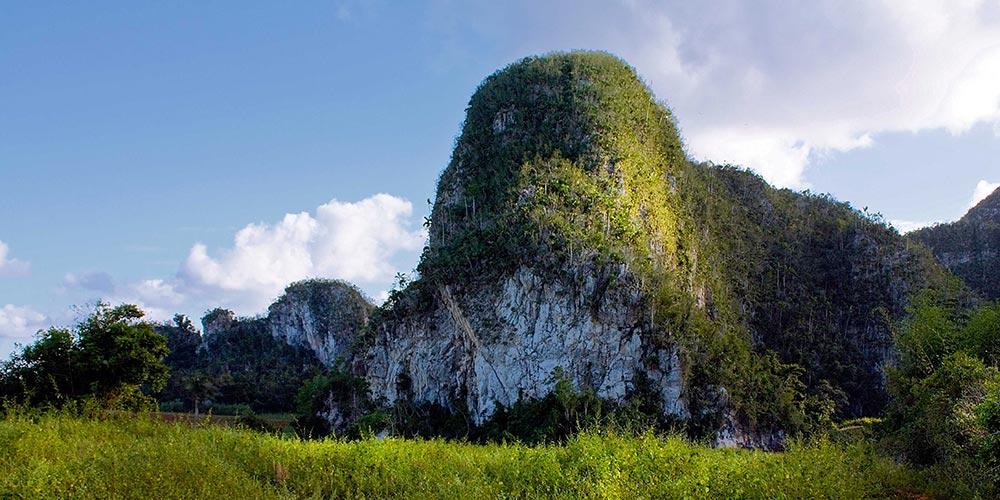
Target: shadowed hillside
970 247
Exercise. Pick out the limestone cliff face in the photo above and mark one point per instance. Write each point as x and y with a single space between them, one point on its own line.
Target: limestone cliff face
970 247
497 345
324 316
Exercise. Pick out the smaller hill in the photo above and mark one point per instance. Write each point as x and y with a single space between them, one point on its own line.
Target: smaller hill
321 315
262 361
970 246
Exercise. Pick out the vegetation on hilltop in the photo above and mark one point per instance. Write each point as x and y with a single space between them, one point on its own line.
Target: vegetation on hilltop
239 361
242 366
785 307
336 305
970 247
262 371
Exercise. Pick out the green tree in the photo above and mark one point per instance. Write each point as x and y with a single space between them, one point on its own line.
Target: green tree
200 386
112 356
119 350
945 409
43 373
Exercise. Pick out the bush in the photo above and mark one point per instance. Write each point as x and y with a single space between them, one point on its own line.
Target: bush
175 406
946 391
237 409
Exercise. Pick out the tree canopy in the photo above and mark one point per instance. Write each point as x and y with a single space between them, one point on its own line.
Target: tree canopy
112 357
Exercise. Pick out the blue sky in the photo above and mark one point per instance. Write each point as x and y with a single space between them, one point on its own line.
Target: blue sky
187 155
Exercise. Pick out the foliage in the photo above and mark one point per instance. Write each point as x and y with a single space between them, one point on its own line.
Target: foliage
183 340
568 411
336 305
112 357
562 413
201 386
58 457
237 361
946 388
820 282
341 397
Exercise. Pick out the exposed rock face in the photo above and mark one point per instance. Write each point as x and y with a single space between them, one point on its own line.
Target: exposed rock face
970 247
217 321
501 344
324 316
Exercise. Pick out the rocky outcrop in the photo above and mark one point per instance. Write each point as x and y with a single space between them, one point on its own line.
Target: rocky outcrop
497 345
324 316
970 247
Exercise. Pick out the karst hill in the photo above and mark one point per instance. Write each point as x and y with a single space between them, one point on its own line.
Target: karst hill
572 241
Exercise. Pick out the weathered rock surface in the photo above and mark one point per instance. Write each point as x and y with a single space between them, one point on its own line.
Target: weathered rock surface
501 344
322 315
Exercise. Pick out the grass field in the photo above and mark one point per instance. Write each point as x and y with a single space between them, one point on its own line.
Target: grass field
144 457
275 421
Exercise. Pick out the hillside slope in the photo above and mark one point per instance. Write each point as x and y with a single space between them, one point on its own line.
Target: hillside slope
970 246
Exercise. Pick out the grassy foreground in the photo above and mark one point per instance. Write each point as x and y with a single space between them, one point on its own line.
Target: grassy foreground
60 456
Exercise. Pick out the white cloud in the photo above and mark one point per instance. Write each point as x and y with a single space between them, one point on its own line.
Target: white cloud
10 266
774 84
364 242
352 241
906 226
20 322
983 189
786 81
158 298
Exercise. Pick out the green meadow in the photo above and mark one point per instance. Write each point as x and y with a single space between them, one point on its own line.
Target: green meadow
59 456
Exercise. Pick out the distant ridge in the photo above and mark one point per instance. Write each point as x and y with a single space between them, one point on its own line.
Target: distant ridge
970 246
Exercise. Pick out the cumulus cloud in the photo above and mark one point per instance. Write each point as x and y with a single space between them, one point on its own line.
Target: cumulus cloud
784 82
983 189
10 266
364 242
352 241
20 322
774 84
159 299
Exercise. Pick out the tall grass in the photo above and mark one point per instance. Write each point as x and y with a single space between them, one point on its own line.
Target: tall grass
54 456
